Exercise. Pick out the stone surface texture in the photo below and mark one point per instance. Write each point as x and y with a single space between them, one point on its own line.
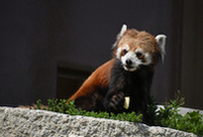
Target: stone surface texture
26 122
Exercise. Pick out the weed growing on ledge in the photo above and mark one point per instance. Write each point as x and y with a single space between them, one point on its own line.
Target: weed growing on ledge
167 116
62 107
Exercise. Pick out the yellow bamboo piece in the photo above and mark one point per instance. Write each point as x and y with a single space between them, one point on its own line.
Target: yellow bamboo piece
127 102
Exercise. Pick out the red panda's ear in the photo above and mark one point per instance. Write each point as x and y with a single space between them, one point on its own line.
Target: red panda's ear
123 29
119 36
161 39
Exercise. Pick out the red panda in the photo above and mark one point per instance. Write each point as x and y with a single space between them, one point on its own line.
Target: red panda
128 73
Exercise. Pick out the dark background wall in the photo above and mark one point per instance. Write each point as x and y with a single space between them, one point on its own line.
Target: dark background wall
47 48
192 54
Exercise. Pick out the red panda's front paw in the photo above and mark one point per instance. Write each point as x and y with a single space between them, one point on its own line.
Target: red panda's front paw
116 102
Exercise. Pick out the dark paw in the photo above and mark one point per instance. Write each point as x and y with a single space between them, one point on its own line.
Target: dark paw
116 102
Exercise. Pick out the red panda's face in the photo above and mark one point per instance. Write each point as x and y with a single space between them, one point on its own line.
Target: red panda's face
135 49
132 58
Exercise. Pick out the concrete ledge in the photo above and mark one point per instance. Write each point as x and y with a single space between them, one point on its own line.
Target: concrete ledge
26 122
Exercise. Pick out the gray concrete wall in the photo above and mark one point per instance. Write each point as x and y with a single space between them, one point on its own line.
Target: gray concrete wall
25 122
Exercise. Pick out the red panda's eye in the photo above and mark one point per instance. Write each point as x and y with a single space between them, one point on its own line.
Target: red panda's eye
125 51
139 54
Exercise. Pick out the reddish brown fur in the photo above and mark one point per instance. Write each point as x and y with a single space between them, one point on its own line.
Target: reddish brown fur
99 78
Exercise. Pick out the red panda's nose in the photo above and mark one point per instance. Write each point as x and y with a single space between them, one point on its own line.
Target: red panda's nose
128 62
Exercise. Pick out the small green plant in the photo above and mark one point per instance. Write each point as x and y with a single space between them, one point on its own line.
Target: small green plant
170 108
69 108
39 104
152 111
168 116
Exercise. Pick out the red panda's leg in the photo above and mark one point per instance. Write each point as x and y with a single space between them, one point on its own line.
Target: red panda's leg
114 99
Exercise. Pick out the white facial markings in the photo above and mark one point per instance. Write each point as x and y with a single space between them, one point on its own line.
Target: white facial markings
148 59
118 53
136 61
130 69
130 55
127 47
119 50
